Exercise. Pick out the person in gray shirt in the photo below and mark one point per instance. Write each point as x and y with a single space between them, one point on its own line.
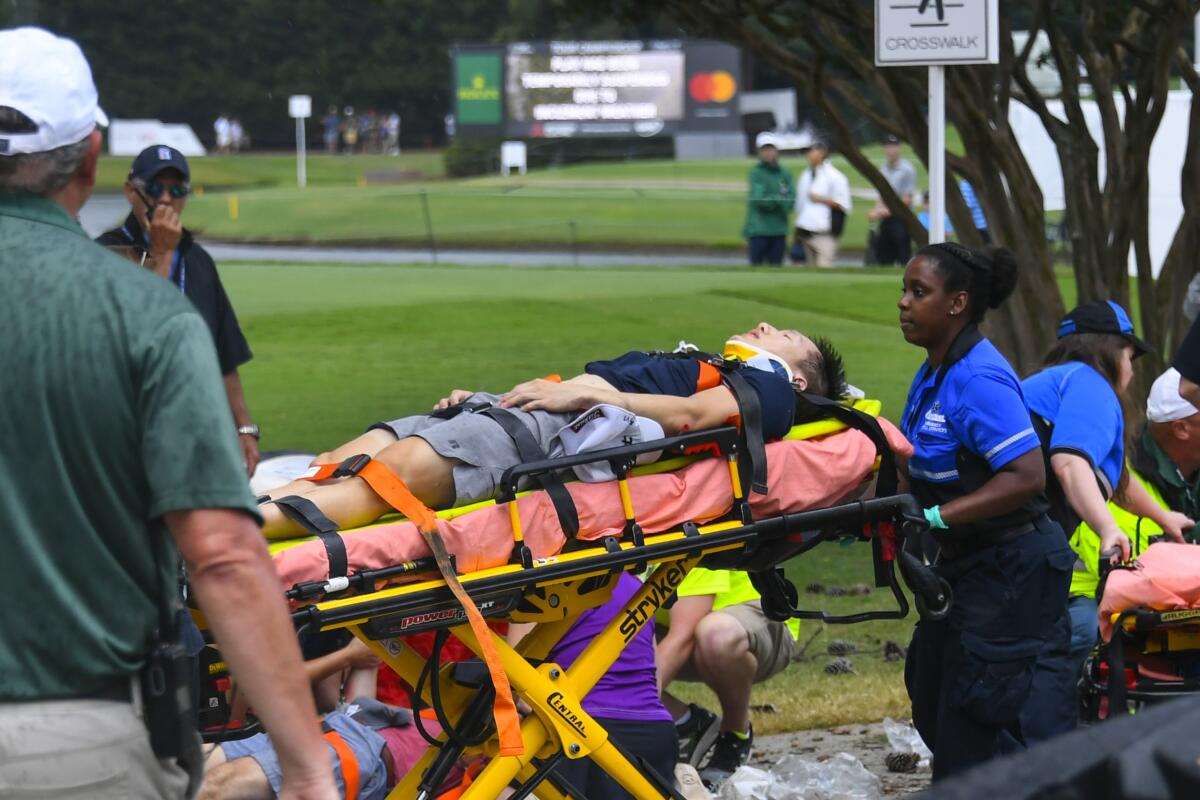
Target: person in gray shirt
892 245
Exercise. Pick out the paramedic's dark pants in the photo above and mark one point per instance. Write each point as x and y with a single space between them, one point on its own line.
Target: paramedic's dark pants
970 677
767 249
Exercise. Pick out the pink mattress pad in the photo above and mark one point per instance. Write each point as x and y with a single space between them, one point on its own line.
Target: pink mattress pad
800 474
1165 576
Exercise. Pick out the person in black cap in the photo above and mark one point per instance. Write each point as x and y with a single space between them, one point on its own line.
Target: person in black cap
1187 361
891 240
1081 412
157 189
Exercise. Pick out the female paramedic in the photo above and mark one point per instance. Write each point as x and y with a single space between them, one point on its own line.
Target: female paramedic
1080 408
977 467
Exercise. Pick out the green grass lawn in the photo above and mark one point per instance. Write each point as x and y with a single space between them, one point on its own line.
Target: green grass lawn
614 205
338 347
220 173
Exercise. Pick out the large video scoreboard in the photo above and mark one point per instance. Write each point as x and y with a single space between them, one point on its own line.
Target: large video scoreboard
596 88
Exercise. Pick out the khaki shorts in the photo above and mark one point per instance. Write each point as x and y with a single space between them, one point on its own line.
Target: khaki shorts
771 642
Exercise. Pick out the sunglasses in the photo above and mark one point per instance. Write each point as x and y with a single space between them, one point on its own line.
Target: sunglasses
178 191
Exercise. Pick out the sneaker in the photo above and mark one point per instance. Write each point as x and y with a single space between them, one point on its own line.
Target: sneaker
697 735
729 754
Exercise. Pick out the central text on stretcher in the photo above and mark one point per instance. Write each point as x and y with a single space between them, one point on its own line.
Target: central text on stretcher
556 702
662 584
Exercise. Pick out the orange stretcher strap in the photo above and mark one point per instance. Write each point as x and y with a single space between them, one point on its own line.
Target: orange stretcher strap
467 779
348 761
392 490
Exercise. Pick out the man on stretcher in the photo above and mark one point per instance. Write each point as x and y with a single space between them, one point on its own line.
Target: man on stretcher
460 460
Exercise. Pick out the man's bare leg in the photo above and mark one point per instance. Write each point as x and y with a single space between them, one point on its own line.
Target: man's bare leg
725 663
240 779
369 443
350 502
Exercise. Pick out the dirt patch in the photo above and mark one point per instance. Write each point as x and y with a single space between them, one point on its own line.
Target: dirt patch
867 743
375 176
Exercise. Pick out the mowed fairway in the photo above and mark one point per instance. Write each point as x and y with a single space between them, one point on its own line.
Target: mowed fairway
338 347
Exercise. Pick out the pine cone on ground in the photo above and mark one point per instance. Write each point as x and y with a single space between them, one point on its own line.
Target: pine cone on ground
902 762
893 651
841 647
840 666
815 588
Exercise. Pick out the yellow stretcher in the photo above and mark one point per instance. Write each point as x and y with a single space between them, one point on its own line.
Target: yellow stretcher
553 592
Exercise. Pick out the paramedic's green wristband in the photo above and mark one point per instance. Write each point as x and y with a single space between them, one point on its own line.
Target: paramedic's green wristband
933 515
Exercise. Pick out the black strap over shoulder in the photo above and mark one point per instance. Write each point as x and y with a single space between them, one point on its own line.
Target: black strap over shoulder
529 450
750 410
306 514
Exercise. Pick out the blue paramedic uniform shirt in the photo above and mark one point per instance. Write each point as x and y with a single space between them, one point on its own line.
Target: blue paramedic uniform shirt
1084 414
966 420
652 373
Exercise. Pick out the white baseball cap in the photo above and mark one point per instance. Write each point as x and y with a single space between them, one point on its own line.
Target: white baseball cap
1165 404
599 428
47 79
766 139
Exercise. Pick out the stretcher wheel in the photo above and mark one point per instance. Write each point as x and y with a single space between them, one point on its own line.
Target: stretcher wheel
942 603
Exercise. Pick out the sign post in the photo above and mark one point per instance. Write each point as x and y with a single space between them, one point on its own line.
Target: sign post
300 107
936 33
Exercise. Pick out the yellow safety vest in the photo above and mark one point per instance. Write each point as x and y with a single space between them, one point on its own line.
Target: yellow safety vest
1086 542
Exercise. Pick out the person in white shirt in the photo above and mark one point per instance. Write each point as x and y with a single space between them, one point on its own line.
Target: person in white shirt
822 203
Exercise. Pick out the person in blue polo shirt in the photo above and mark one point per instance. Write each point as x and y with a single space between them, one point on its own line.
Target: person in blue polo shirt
978 470
1080 408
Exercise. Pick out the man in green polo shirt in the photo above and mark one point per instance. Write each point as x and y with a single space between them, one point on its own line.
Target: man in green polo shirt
114 433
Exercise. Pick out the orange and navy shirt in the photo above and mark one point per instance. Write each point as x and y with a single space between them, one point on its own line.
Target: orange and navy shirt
652 373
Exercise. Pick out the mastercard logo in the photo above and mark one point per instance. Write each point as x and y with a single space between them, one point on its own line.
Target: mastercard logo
712 87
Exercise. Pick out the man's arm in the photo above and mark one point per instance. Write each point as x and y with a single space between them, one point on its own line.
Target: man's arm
238 590
708 409
241 417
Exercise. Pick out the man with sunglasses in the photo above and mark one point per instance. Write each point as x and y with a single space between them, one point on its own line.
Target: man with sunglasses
157 189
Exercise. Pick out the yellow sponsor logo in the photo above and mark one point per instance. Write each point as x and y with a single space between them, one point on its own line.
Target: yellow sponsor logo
478 90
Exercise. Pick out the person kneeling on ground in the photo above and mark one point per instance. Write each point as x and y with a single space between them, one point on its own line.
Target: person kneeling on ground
719 636
457 461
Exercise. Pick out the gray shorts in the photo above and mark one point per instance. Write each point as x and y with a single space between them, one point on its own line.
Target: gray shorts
366 744
482 447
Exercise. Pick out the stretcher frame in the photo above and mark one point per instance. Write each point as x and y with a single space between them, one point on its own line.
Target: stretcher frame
552 592
1137 631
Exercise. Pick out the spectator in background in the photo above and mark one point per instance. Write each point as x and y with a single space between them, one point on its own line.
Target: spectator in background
330 124
1187 361
977 217
771 195
349 130
392 130
157 189
822 203
237 135
221 129
451 125
892 245
924 217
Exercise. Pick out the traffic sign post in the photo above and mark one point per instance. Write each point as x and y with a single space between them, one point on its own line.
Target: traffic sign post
300 107
936 33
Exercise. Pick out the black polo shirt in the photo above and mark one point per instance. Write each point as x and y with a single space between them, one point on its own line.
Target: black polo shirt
197 275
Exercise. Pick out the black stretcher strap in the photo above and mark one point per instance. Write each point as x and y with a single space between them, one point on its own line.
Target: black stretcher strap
305 513
529 451
750 410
